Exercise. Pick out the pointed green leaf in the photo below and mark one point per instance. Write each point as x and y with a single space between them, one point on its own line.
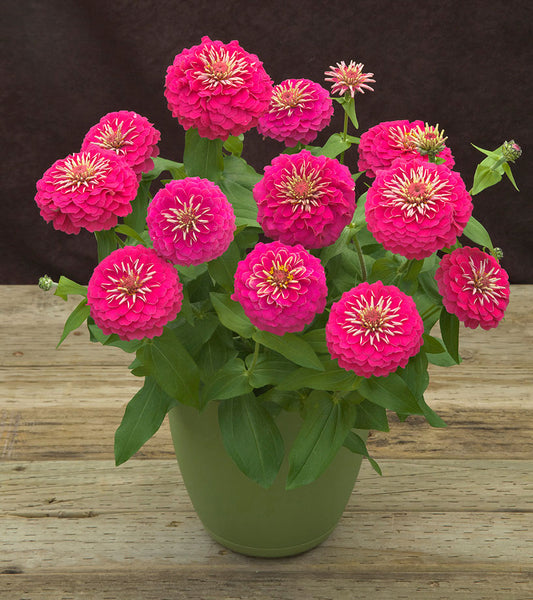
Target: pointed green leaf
137 218
76 318
237 182
484 177
334 146
251 438
333 378
449 328
173 368
357 445
130 232
143 417
202 157
231 314
67 287
223 268
228 382
371 416
325 427
475 231
432 344
509 173
234 144
163 164
107 243
291 346
268 370
390 392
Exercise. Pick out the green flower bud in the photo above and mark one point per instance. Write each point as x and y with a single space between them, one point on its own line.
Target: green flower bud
511 151
497 253
46 283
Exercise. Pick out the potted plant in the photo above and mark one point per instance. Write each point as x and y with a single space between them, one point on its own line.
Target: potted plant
275 317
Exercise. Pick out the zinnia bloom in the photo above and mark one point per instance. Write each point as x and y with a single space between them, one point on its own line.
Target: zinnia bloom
219 88
416 208
382 144
474 287
190 221
305 199
134 293
374 329
299 109
349 78
281 288
89 189
129 135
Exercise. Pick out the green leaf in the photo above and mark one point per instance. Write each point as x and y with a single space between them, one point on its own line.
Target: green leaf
234 144
231 314
357 445
332 378
137 218
223 268
291 346
76 318
237 183
325 427
490 153
251 438
130 232
97 335
268 370
390 392
475 231
337 247
202 157
484 177
449 328
163 164
317 340
228 382
334 146
371 416
359 218
216 353
509 173
349 108
432 344
172 367
107 243
143 417
67 287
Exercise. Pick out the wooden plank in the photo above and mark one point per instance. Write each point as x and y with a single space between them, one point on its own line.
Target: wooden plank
60 488
248 582
84 429
389 541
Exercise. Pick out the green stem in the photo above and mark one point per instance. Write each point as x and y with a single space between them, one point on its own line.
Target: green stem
361 257
344 136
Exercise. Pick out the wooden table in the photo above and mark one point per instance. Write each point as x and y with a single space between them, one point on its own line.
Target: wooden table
451 518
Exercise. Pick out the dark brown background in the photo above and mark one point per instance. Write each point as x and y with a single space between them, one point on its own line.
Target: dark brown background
463 64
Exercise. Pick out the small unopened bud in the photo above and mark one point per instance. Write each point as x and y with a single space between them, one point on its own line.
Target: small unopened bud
46 283
497 253
429 140
511 150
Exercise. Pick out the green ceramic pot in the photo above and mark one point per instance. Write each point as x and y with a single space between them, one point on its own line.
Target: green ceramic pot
242 515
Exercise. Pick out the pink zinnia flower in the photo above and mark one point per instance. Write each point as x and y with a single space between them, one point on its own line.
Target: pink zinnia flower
374 329
474 287
134 293
382 144
281 288
299 109
349 78
89 189
190 221
305 199
219 88
416 208
129 135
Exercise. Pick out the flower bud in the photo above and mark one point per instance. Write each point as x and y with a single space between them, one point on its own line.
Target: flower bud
497 253
429 140
511 151
46 283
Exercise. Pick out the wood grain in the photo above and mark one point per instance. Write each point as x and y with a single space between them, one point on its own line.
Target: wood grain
450 518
